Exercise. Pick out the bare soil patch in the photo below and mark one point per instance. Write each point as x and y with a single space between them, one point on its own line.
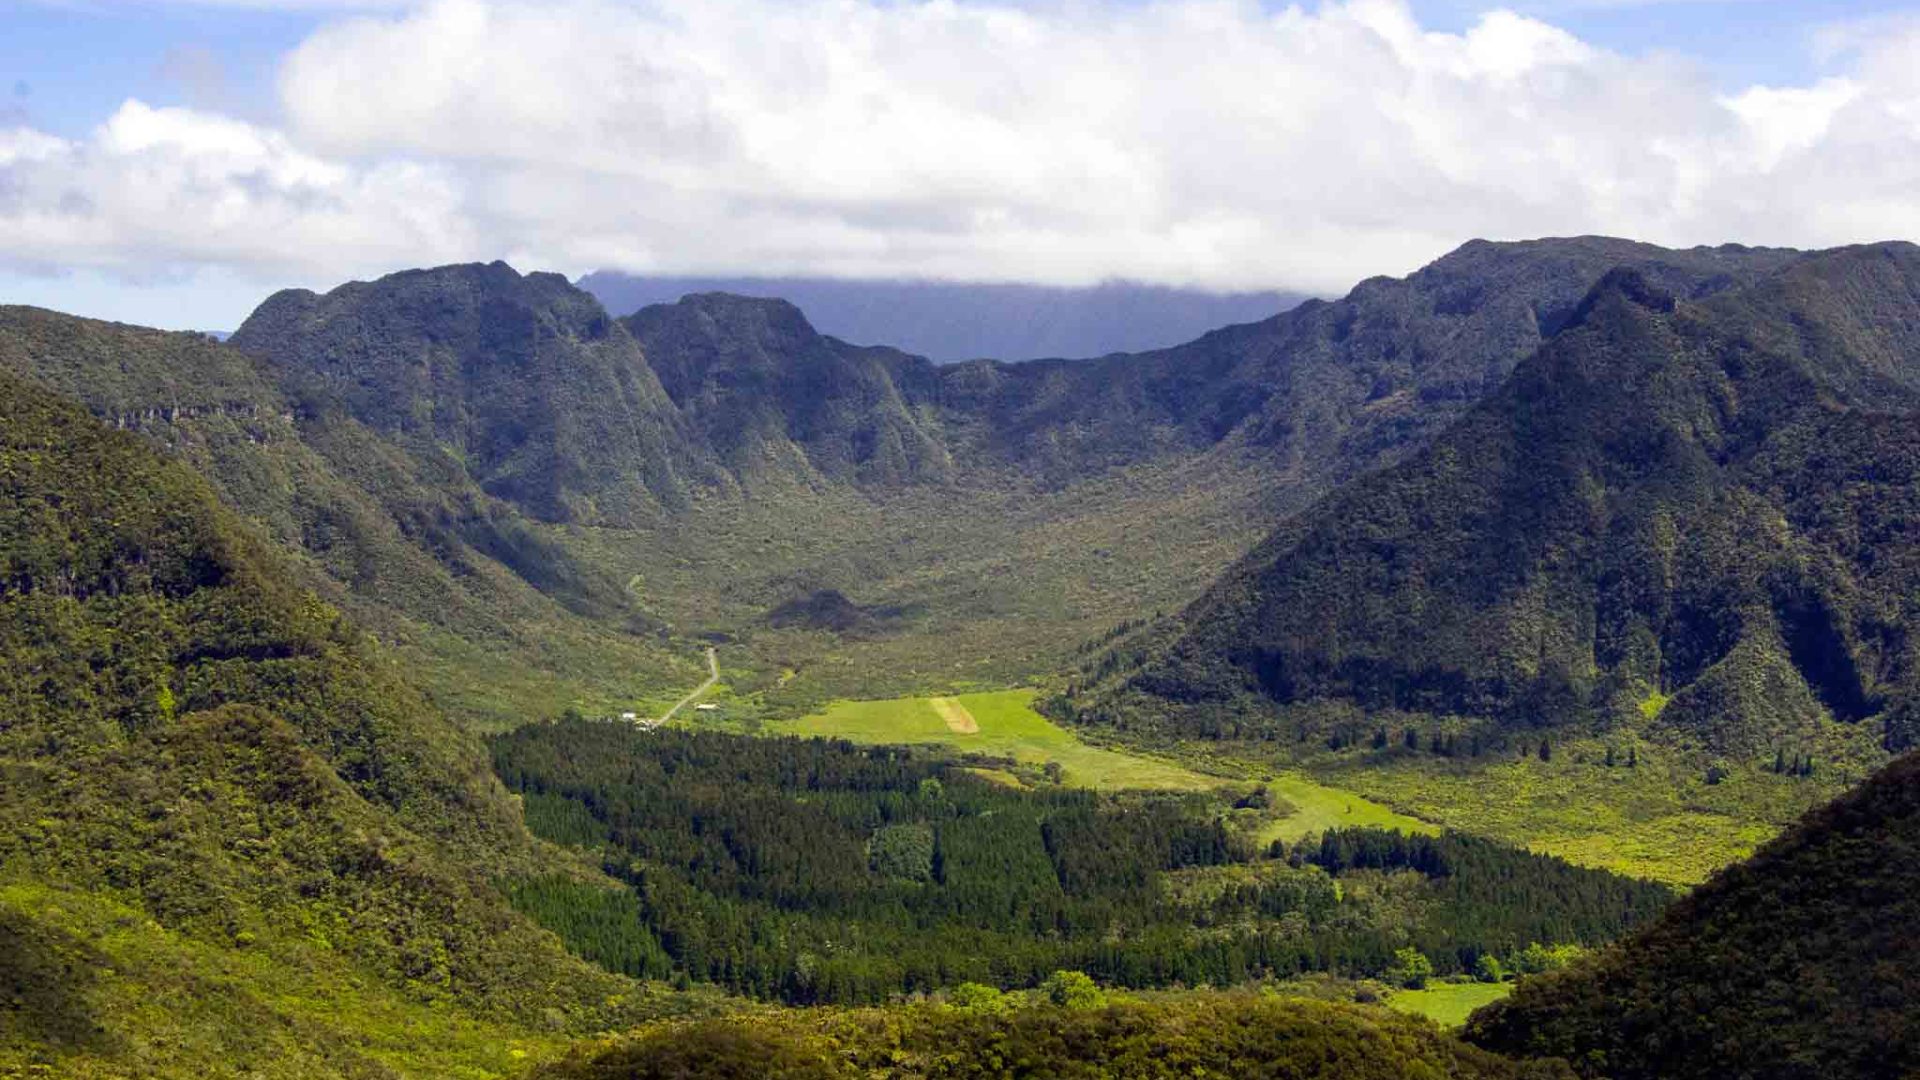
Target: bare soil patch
959 720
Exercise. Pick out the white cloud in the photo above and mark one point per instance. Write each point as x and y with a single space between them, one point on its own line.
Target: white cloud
1199 141
159 192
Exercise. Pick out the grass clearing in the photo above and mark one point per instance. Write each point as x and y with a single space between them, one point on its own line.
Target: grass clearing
1317 808
1006 726
1660 820
1448 1003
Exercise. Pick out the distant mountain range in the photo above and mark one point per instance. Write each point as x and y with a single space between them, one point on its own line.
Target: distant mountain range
949 321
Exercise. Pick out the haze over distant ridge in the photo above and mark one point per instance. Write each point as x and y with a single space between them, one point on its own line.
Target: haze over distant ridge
948 321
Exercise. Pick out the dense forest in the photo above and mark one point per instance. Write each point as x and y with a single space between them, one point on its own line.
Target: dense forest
817 871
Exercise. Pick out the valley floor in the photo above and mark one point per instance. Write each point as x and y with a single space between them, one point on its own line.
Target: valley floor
1658 819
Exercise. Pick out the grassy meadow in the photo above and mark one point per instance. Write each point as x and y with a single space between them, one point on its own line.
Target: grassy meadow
1316 808
1448 1003
1008 727
1660 820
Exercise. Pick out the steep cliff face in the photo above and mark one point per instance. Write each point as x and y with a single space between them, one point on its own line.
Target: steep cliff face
774 400
545 399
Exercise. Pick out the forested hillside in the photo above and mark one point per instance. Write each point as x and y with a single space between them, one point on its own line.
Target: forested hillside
463 583
1694 519
218 796
1801 962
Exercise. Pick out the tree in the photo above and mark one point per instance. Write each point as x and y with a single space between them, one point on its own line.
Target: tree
1074 990
1489 969
1411 969
902 851
972 995
1546 749
1412 739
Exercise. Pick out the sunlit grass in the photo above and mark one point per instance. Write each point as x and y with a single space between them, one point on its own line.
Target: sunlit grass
181 1007
1008 728
1658 820
1448 1003
1317 808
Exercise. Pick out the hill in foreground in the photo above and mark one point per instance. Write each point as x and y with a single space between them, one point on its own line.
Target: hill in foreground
1201 1035
231 835
1802 962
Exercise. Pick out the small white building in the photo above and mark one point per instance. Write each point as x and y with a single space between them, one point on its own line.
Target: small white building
706 706
630 717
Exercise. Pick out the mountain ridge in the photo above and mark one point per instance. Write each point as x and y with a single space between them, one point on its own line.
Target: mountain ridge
1503 571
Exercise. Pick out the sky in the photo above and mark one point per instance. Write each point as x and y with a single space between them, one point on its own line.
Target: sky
171 163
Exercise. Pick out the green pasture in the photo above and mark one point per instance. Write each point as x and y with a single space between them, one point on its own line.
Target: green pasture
1008 728
1448 1003
1317 808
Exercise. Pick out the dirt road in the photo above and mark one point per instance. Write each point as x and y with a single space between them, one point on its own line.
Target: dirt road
713 666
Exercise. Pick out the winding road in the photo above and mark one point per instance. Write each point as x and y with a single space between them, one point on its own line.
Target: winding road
713 666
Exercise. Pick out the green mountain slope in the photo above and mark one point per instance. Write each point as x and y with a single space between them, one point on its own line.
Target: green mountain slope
1008 511
1801 962
497 617
219 803
1706 501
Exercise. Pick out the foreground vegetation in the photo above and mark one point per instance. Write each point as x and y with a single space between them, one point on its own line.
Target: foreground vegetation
1199 1035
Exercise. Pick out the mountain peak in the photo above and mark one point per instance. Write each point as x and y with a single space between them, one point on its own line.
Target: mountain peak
759 315
1626 283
